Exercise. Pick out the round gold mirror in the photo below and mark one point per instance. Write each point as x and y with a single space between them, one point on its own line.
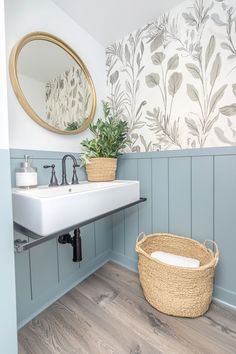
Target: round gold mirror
52 83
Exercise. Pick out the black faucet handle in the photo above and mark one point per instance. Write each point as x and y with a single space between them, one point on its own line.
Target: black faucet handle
48 166
53 180
75 179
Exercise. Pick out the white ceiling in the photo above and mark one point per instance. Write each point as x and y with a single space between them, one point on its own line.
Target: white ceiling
109 20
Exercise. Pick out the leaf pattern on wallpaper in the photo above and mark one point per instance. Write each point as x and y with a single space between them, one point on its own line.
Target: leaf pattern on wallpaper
210 50
234 89
174 83
221 136
194 70
229 22
68 99
167 135
192 93
207 97
126 104
152 80
160 121
171 80
230 110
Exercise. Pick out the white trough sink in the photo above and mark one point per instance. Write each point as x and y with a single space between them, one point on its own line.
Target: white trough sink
47 210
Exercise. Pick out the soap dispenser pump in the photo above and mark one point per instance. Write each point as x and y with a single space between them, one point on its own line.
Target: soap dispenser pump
26 175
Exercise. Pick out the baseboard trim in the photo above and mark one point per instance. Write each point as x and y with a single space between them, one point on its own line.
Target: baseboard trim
224 296
124 261
91 267
223 303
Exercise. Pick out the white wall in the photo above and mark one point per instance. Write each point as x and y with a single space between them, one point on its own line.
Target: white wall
27 16
8 333
4 141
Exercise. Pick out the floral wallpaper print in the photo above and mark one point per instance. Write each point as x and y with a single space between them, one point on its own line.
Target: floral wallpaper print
174 80
68 100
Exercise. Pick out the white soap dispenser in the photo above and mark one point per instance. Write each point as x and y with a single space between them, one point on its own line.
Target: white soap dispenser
26 176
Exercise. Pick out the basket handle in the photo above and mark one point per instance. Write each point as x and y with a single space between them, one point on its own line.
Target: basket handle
216 252
140 236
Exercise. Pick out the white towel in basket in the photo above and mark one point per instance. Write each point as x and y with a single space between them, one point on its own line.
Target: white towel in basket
175 260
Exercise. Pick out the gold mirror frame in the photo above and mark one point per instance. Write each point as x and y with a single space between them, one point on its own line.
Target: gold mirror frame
19 93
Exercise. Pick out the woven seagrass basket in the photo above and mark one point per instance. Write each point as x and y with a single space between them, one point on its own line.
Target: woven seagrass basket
101 169
177 291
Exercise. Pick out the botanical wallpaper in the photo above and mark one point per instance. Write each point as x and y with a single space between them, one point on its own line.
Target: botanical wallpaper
174 80
68 100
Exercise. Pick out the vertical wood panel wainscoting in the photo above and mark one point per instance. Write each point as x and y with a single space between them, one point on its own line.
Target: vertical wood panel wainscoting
189 192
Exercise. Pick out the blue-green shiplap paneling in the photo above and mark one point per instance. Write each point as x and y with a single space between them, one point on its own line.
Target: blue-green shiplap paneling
160 195
202 198
213 151
130 172
44 268
180 196
193 193
225 226
8 340
118 232
145 209
88 243
103 235
46 272
118 219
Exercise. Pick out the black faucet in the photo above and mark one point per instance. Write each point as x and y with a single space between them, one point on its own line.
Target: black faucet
75 179
53 180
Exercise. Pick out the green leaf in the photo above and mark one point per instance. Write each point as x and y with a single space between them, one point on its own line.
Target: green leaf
110 137
194 71
157 58
210 50
72 126
217 97
152 80
192 93
215 71
175 81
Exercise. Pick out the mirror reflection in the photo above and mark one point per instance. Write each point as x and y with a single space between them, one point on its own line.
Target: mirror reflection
57 87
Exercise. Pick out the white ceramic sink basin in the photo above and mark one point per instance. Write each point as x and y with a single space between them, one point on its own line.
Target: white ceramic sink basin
46 210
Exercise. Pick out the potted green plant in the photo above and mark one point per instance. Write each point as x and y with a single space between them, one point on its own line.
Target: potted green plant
100 153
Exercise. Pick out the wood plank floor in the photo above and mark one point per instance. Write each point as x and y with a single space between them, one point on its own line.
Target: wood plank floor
107 313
